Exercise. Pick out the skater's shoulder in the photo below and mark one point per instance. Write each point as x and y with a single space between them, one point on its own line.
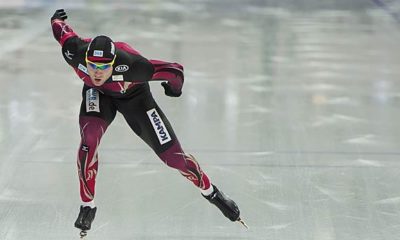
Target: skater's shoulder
74 50
125 47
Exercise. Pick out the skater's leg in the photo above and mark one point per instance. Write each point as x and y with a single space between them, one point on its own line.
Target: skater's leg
96 114
92 129
187 165
148 121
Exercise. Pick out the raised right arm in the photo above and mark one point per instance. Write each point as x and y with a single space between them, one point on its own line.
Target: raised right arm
72 45
61 30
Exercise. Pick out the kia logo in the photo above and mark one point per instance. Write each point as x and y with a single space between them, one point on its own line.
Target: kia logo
121 68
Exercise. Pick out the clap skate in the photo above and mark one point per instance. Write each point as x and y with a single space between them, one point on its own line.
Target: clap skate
85 219
227 206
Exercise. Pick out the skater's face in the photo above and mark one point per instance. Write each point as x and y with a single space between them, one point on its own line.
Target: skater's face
99 72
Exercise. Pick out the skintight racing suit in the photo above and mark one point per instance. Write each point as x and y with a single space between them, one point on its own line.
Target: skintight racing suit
127 91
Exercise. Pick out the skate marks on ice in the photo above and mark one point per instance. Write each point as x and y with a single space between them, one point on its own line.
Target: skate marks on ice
336 119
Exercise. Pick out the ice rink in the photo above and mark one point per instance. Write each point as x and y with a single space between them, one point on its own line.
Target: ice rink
290 106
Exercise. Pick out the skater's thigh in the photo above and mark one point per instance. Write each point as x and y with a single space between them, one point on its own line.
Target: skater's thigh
149 122
96 104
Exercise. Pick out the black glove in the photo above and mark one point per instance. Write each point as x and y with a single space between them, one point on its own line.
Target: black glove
169 91
59 14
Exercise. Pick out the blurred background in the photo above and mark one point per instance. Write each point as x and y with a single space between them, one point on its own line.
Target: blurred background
291 107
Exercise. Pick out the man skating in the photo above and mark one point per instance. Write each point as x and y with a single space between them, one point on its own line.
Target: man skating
115 78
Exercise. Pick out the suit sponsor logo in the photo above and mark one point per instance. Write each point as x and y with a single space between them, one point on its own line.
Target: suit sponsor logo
117 78
92 100
159 126
121 68
97 53
83 69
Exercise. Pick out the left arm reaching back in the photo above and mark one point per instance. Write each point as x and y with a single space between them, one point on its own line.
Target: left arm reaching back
172 73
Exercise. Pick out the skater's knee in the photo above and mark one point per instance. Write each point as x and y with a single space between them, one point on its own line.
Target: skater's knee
91 140
92 129
91 135
173 156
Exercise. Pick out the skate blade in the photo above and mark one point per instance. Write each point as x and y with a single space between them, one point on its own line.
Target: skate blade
243 223
83 234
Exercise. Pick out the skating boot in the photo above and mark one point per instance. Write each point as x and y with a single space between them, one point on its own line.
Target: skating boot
227 206
85 219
